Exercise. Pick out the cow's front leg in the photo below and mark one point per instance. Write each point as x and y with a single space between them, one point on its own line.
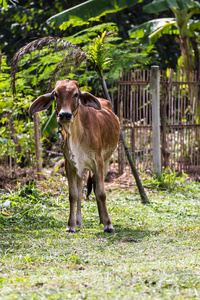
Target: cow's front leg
73 196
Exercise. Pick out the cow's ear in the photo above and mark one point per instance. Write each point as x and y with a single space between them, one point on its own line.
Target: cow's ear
88 99
41 103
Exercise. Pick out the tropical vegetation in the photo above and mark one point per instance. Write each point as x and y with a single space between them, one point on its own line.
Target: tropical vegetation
154 252
133 34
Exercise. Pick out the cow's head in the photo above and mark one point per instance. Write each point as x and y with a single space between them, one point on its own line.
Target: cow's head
67 96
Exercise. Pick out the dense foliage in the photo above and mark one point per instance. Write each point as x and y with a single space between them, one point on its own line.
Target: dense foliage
25 21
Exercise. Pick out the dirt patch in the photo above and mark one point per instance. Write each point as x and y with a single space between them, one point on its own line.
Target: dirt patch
193 175
11 180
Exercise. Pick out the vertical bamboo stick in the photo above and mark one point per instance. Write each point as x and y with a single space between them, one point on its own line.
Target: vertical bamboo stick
155 88
37 146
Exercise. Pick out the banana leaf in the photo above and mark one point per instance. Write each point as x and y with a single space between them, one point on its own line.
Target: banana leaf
81 13
49 125
161 5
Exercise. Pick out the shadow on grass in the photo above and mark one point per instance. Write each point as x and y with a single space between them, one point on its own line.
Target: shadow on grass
124 234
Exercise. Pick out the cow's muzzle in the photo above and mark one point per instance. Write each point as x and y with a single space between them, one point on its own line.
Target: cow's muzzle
65 116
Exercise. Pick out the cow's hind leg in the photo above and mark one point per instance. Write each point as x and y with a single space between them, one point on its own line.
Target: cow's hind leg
98 203
80 193
101 199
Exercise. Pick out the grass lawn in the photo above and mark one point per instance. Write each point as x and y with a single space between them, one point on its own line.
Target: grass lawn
153 254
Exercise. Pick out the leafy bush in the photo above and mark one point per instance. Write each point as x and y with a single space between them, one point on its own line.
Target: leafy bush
169 180
16 128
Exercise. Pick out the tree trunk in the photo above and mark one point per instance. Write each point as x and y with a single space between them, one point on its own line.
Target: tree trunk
196 55
1 55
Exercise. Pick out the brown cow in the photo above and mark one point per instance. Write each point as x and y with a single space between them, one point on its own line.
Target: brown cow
91 133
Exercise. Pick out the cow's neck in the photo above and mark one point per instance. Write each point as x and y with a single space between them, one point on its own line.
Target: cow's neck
73 132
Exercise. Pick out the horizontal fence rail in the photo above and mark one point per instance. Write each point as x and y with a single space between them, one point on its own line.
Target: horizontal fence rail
180 119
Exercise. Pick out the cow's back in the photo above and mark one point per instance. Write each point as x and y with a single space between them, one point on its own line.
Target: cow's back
100 127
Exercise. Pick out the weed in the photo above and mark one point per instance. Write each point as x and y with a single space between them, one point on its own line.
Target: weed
169 180
28 190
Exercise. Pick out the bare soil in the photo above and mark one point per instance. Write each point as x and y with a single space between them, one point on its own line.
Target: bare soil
11 180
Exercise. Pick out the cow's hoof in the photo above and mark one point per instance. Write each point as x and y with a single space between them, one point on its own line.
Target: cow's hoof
79 225
79 221
69 229
109 230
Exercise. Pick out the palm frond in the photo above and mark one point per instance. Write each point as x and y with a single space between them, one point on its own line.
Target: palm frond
75 56
54 44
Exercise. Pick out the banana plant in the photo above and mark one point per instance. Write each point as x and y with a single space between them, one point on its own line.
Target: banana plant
88 11
4 3
182 25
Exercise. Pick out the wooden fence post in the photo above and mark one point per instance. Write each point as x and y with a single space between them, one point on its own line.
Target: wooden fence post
37 147
155 88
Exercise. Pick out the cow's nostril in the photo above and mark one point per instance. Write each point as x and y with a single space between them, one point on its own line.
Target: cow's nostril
66 116
61 117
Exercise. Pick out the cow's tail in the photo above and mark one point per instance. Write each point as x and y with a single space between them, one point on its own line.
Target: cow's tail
90 184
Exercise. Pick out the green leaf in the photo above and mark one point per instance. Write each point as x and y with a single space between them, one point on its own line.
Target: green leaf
49 125
196 3
150 27
87 10
161 5
5 4
194 25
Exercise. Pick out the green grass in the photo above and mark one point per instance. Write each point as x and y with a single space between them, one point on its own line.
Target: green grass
153 254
